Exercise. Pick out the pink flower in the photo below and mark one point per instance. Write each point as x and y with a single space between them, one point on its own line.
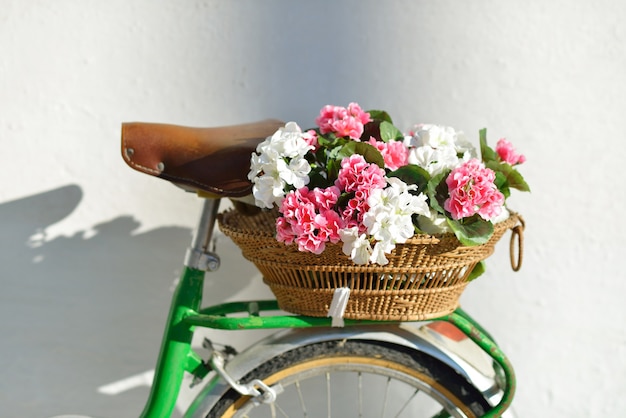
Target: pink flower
354 211
507 153
326 198
357 174
315 231
472 190
359 177
492 207
284 231
302 222
293 201
311 243
297 214
329 223
308 219
343 121
395 153
310 137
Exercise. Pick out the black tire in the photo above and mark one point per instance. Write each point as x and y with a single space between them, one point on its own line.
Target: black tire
413 384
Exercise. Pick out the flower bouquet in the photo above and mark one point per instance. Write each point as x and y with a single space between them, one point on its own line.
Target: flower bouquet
355 206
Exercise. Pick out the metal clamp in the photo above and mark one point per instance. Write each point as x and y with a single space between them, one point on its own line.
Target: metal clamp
202 260
257 389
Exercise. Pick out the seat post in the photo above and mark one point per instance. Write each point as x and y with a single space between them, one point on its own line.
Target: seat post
176 355
199 256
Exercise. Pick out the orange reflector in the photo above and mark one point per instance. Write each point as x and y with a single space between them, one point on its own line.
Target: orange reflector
447 330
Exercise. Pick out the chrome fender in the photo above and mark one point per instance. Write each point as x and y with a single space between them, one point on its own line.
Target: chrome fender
461 355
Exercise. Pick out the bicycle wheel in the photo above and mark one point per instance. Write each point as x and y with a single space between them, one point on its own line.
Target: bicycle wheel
344 378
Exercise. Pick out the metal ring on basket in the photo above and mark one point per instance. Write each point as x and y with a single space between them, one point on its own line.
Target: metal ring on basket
517 231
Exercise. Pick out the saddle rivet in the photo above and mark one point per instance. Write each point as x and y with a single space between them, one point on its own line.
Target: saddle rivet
160 166
129 152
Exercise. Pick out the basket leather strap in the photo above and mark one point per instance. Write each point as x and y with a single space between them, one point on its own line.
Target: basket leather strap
338 305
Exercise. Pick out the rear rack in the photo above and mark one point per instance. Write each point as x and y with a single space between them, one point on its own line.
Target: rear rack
250 318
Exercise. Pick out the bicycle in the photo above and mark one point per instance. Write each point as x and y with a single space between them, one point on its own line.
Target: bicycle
450 366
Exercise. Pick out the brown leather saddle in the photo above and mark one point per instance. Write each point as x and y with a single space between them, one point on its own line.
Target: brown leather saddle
213 162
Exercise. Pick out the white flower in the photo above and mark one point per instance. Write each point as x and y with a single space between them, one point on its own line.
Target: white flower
503 216
288 141
380 225
434 136
389 219
268 190
463 146
433 160
378 255
436 148
278 163
398 199
399 185
354 245
296 173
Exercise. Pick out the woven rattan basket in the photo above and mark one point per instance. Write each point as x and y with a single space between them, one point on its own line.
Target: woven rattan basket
423 280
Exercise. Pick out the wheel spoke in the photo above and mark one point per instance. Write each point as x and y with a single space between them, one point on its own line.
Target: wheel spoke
299 389
408 401
360 393
328 392
385 398
283 413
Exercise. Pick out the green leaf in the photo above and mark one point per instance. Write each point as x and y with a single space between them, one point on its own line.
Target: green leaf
326 139
502 184
320 155
412 174
487 153
477 271
317 179
344 199
332 167
438 191
388 132
323 141
513 177
380 115
471 231
369 152
335 147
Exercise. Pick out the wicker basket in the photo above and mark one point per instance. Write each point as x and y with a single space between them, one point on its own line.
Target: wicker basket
423 280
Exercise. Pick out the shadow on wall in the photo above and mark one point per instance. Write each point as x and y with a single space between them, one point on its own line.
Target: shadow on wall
77 312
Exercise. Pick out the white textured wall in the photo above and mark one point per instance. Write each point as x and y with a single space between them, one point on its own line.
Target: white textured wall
547 75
